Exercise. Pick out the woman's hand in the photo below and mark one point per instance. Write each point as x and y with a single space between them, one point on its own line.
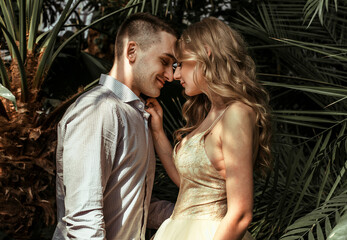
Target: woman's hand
156 111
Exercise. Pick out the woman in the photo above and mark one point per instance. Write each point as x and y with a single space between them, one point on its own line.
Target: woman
227 134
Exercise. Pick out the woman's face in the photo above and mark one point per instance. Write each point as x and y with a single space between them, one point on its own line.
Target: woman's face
185 72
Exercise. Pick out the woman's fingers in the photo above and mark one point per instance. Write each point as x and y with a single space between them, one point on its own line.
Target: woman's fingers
153 107
153 104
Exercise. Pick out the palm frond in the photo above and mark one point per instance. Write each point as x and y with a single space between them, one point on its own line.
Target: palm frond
5 93
17 56
3 75
340 231
314 7
311 223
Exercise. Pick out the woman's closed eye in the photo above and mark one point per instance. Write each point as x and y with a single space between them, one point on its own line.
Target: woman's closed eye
176 65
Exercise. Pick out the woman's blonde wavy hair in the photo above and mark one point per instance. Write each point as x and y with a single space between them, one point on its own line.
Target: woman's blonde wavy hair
230 74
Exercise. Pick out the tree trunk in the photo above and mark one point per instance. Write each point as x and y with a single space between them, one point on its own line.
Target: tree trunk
27 168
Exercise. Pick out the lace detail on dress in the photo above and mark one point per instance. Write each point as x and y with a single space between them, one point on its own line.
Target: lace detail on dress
202 192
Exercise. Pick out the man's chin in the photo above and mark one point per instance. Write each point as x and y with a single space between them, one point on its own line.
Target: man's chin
152 94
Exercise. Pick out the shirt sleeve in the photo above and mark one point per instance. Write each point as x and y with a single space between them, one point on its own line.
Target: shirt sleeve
159 211
89 149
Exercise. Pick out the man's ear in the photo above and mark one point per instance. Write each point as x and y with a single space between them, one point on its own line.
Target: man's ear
131 51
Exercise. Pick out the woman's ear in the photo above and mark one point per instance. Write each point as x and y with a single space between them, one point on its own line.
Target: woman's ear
208 50
131 51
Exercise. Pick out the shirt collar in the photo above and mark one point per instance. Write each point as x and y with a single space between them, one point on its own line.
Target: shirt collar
123 92
118 88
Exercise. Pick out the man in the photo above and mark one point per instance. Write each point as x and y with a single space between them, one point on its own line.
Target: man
105 155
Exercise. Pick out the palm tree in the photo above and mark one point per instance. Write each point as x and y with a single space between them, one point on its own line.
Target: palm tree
27 133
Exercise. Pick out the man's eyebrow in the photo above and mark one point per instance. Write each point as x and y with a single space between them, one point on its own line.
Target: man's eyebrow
170 56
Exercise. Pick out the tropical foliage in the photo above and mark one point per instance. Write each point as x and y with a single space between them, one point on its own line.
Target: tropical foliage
300 50
307 86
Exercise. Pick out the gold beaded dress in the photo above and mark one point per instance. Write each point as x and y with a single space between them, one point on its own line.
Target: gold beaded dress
202 201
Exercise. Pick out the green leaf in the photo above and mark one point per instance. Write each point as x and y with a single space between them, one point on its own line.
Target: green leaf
326 141
328 91
323 52
95 66
303 191
295 237
22 29
295 231
46 57
5 93
337 216
320 235
305 118
327 227
3 75
167 7
342 131
299 123
314 218
35 19
153 6
330 113
8 18
339 232
337 181
324 181
143 5
156 7
17 56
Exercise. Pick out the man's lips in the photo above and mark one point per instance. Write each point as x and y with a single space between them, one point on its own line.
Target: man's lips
161 81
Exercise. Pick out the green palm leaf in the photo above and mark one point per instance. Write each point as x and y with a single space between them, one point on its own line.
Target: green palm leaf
19 61
5 93
306 225
340 231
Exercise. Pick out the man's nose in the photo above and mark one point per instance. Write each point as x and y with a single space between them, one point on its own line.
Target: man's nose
168 74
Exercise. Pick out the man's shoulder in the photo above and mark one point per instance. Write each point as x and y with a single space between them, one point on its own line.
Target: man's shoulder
99 95
99 91
98 100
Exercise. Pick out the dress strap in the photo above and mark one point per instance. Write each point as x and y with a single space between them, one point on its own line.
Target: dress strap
215 122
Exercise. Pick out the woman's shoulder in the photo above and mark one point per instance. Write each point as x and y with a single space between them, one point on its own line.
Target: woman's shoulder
239 113
239 109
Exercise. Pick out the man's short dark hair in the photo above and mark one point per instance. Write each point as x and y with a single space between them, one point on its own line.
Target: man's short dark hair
142 28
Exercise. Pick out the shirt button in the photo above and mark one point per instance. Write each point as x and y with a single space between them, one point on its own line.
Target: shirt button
140 106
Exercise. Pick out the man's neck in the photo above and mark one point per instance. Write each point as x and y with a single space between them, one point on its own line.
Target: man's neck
123 73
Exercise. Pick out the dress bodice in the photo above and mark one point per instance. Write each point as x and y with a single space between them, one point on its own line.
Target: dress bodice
202 192
202 202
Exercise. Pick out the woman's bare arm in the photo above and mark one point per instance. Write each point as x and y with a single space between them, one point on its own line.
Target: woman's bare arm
161 142
238 125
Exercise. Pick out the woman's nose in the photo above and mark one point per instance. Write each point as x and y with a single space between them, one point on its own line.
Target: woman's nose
177 73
